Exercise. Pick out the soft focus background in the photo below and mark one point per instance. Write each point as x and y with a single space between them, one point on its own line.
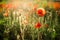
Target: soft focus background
29 19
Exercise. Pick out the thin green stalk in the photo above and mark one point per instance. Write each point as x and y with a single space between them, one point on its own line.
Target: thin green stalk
38 35
32 36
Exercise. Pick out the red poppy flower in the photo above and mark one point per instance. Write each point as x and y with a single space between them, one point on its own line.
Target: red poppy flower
40 12
56 5
3 5
38 25
9 6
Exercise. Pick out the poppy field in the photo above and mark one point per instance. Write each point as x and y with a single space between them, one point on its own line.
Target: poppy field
29 20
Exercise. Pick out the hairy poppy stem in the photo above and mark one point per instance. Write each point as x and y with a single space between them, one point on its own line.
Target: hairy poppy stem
38 34
32 36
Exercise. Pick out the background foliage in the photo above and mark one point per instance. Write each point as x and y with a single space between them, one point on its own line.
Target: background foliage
10 28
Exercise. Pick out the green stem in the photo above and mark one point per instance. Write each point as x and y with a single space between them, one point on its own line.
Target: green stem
32 36
23 36
38 34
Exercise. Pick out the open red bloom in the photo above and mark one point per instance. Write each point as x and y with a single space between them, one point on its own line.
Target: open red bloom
2 5
38 25
9 6
40 12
